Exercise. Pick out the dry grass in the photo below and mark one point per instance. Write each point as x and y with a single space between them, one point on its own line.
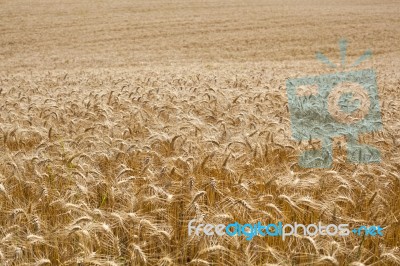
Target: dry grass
113 134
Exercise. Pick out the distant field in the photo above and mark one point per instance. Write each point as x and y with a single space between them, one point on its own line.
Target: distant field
71 34
120 121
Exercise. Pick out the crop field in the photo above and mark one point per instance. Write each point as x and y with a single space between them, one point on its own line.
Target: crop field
121 121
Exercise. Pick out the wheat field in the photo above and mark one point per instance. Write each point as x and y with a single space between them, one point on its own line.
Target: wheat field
121 121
